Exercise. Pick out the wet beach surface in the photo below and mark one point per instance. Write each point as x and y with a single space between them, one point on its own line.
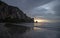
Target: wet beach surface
45 30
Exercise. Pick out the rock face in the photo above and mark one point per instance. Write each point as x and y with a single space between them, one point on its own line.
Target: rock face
12 14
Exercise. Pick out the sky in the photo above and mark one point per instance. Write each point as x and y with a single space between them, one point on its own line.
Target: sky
48 9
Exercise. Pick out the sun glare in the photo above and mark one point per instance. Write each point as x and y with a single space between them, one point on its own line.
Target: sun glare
41 20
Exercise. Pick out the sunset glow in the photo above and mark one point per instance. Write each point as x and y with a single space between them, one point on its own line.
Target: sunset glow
41 20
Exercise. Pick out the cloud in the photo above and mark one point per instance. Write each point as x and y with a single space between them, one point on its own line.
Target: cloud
57 10
37 12
26 4
40 11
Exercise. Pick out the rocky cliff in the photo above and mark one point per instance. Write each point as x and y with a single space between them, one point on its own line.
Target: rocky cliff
12 14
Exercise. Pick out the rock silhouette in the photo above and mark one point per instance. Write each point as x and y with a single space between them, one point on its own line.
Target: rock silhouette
13 14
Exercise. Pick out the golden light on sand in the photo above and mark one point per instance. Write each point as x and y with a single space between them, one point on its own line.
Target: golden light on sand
36 28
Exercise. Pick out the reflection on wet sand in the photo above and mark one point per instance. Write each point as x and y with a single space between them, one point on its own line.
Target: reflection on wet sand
9 30
38 31
36 28
46 30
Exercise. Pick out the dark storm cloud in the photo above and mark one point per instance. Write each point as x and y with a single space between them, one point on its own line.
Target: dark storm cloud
38 12
57 10
26 4
50 10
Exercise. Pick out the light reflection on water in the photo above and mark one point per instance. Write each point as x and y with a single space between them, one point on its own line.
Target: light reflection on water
40 24
50 26
36 28
40 30
46 30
